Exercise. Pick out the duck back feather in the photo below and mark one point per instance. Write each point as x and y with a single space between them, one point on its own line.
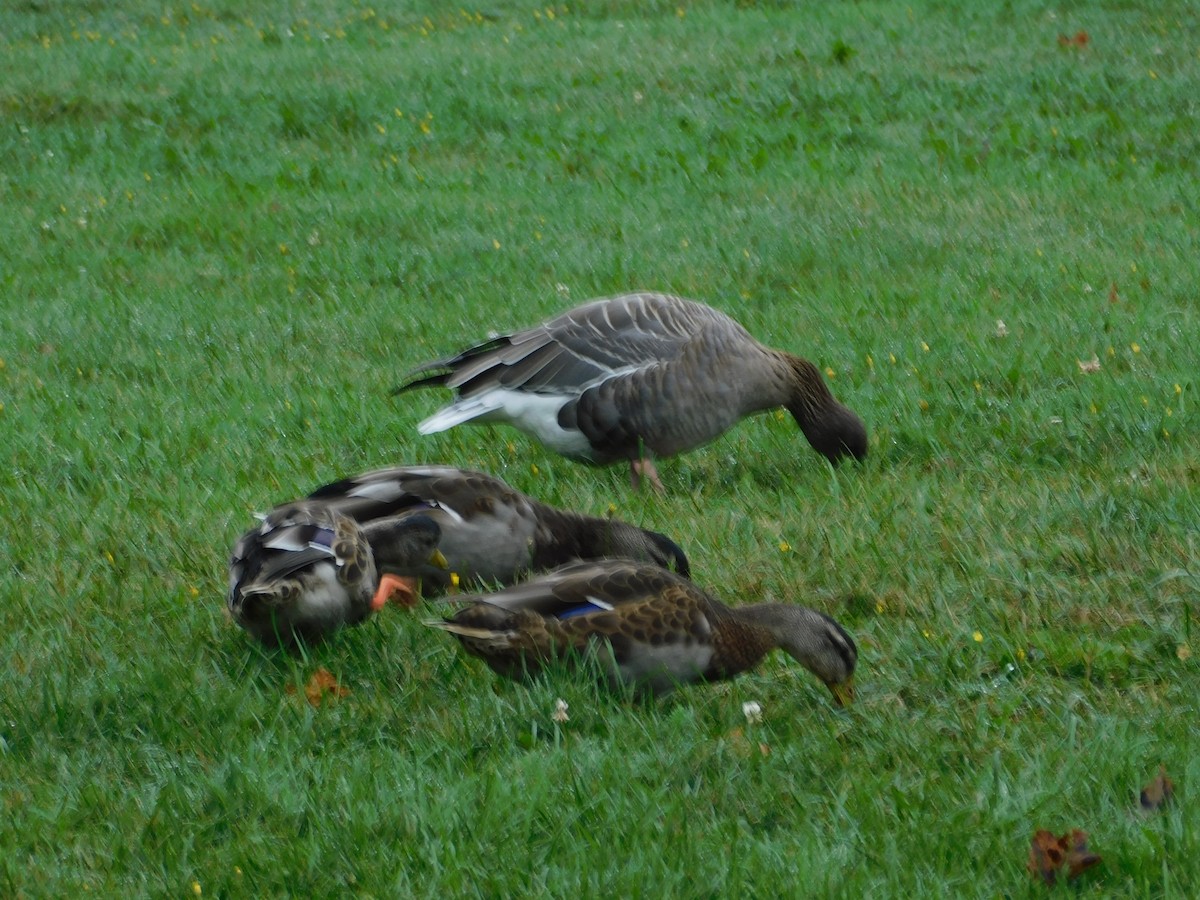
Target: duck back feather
653 630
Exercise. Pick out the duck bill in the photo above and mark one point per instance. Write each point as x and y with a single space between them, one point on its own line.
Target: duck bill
437 559
843 693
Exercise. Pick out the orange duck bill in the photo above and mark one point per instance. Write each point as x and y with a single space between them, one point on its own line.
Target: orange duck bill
403 590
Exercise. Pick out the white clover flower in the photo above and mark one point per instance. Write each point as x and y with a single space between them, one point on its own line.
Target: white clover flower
560 711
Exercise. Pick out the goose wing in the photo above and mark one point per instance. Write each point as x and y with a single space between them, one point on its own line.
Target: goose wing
592 343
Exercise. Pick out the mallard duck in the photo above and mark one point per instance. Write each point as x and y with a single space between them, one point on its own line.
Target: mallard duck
636 376
490 532
307 570
648 628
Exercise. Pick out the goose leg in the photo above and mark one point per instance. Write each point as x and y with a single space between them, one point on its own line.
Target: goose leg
393 587
645 467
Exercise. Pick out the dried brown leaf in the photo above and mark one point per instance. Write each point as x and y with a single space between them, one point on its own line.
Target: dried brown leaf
1079 39
1158 792
1048 854
1045 856
1079 857
322 684
742 745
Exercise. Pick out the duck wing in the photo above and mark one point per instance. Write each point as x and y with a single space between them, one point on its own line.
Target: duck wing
582 588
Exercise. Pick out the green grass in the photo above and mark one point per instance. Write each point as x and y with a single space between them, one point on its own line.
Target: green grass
228 231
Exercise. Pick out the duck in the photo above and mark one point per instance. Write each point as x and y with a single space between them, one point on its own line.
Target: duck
649 629
490 533
307 570
634 377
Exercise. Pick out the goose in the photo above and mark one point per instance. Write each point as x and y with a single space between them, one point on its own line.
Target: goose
307 570
649 629
633 377
490 532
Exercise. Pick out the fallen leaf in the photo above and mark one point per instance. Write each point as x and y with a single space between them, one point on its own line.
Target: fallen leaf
1048 854
1045 856
1158 792
1113 296
1079 857
1079 39
743 747
322 684
1089 366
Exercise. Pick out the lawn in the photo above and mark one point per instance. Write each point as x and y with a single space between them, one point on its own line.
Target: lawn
229 229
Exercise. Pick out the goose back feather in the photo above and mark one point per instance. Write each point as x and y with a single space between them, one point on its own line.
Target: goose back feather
632 374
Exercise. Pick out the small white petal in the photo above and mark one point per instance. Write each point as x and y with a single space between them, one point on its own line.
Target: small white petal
560 710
